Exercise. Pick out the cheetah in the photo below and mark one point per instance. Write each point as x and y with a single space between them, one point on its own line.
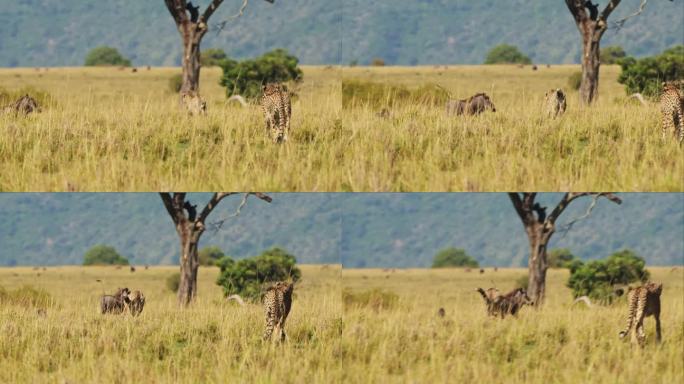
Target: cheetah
137 303
193 103
277 108
277 303
489 295
643 301
672 109
554 103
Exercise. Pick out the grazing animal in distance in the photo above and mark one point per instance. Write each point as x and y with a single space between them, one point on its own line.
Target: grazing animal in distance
473 105
672 110
194 103
24 105
116 303
277 303
441 312
554 103
277 108
643 301
132 268
137 303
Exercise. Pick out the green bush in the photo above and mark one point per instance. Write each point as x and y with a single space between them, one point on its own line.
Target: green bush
106 56
522 282
212 57
175 83
103 255
612 54
597 278
375 299
246 277
375 95
246 77
173 282
559 258
575 80
647 75
453 257
210 255
26 296
378 62
506 54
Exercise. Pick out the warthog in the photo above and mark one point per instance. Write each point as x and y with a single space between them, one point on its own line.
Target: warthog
473 105
510 303
24 105
116 303
137 303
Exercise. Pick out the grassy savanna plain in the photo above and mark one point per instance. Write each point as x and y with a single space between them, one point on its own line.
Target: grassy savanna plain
405 340
114 130
613 145
213 341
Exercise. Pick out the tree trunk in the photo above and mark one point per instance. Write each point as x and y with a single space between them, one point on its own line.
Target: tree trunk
191 59
590 66
537 262
189 262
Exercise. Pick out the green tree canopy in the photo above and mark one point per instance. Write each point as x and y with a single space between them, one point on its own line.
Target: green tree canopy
103 255
597 277
210 255
506 54
106 56
646 75
612 54
212 57
560 258
453 257
246 277
246 77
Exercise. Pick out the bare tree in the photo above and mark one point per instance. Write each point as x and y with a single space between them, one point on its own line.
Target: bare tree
592 24
190 225
540 227
192 26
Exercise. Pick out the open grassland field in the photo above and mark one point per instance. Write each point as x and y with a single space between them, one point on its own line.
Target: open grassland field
111 130
405 341
211 342
612 145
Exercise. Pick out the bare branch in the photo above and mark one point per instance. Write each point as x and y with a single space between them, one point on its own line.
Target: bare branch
618 24
569 197
220 26
610 7
213 202
216 226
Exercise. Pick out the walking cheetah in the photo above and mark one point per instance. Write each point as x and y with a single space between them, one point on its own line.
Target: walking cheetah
672 108
643 301
554 103
277 303
194 103
137 303
277 108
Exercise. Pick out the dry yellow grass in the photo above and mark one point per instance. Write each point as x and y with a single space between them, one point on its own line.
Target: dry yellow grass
409 343
114 130
211 342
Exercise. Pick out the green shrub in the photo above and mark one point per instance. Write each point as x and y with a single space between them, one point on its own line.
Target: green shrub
173 282
175 83
453 257
210 255
103 255
106 56
26 296
646 75
575 80
560 258
246 277
375 299
522 282
212 57
375 95
612 54
246 77
378 62
597 278
506 54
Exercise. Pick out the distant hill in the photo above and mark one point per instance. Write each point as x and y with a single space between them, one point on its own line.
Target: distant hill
402 32
361 229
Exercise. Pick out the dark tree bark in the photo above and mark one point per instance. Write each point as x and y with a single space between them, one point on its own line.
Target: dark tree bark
190 227
592 26
540 227
192 26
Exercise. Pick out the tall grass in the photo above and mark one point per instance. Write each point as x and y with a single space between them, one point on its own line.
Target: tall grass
111 130
560 343
213 341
